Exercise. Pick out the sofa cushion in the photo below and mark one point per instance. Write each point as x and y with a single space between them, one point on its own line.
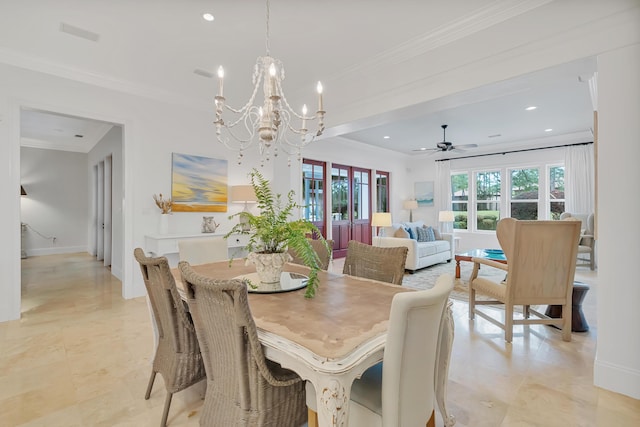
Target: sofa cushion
431 248
401 233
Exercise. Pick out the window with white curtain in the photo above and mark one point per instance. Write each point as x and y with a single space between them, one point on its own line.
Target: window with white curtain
509 191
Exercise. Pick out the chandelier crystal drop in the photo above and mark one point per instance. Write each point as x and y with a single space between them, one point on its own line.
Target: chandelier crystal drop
271 125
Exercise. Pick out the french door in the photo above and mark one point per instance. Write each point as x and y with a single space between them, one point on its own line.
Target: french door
350 207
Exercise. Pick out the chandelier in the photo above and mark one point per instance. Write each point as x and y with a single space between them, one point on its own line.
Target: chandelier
270 126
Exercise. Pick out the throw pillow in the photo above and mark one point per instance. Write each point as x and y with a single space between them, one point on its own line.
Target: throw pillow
436 233
401 233
411 233
431 237
422 234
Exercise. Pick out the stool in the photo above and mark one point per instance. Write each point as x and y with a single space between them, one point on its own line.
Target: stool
578 322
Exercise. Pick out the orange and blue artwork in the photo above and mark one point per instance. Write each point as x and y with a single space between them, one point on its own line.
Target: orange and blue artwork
198 184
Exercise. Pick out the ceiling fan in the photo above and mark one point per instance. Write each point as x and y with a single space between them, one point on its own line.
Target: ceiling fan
446 145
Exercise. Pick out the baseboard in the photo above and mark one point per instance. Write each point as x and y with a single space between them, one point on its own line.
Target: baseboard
56 250
616 378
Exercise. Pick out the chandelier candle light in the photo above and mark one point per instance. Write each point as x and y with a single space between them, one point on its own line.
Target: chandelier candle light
271 123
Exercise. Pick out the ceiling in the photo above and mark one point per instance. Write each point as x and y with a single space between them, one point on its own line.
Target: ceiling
161 48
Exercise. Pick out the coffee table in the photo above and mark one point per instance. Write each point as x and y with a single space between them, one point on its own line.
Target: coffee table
478 253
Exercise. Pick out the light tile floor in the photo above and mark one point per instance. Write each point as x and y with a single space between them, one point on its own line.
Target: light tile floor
80 356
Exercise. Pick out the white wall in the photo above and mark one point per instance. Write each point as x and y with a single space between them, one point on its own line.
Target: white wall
55 207
617 365
109 145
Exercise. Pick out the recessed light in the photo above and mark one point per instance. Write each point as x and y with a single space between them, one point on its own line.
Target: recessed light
531 108
548 130
208 17
386 137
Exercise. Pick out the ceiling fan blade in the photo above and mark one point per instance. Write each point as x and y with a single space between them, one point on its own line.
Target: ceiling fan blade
424 150
466 146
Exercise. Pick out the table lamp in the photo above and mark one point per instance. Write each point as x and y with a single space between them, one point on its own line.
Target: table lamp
410 205
381 219
446 217
243 194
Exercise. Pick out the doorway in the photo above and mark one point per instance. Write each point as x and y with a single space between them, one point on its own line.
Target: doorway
70 173
350 207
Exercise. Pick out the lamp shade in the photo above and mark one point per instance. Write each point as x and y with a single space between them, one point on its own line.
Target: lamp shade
22 192
243 194
381 219
446 216
410 204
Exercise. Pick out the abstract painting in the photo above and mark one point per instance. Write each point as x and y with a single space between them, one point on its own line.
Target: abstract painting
198 184
424 193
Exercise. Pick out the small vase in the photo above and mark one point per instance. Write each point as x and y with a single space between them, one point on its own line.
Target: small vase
269 266
163 225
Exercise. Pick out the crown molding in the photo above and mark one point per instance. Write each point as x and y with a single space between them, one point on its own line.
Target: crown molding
37 64
481 19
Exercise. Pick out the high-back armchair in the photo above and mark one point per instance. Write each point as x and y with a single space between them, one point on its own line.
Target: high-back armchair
541 263
587 242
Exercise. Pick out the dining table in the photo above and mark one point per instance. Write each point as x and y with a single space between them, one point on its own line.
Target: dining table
331 339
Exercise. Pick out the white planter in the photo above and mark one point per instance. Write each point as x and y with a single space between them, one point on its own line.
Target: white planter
269 266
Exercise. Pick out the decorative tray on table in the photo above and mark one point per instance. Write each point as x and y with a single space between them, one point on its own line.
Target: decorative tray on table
289 281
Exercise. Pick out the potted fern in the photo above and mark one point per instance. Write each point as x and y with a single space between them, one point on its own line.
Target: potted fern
272 233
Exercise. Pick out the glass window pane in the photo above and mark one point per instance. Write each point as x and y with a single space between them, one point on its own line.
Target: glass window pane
339 194
556 191
488 200
460 186
382 191
460 215
524 210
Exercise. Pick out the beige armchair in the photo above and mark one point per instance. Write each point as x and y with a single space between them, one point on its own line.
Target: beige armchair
541 263
587 243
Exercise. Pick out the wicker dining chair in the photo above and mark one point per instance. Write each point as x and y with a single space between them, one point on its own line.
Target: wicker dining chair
372 262
321 250
177 356
243 387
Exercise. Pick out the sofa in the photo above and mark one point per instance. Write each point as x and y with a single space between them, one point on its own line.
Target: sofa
437 248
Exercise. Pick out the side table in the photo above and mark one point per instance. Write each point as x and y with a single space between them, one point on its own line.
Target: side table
578 322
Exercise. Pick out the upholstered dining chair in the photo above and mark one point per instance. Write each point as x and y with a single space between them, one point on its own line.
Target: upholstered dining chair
321 250
377 263
587 241
177 357
401 390
541 264
243 387
203 250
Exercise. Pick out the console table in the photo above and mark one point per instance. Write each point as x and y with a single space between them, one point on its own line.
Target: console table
163 244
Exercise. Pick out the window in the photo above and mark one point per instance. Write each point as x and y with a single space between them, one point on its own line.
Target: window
460 200
477 195
524 193
487 200
313 190
382 191
556 191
